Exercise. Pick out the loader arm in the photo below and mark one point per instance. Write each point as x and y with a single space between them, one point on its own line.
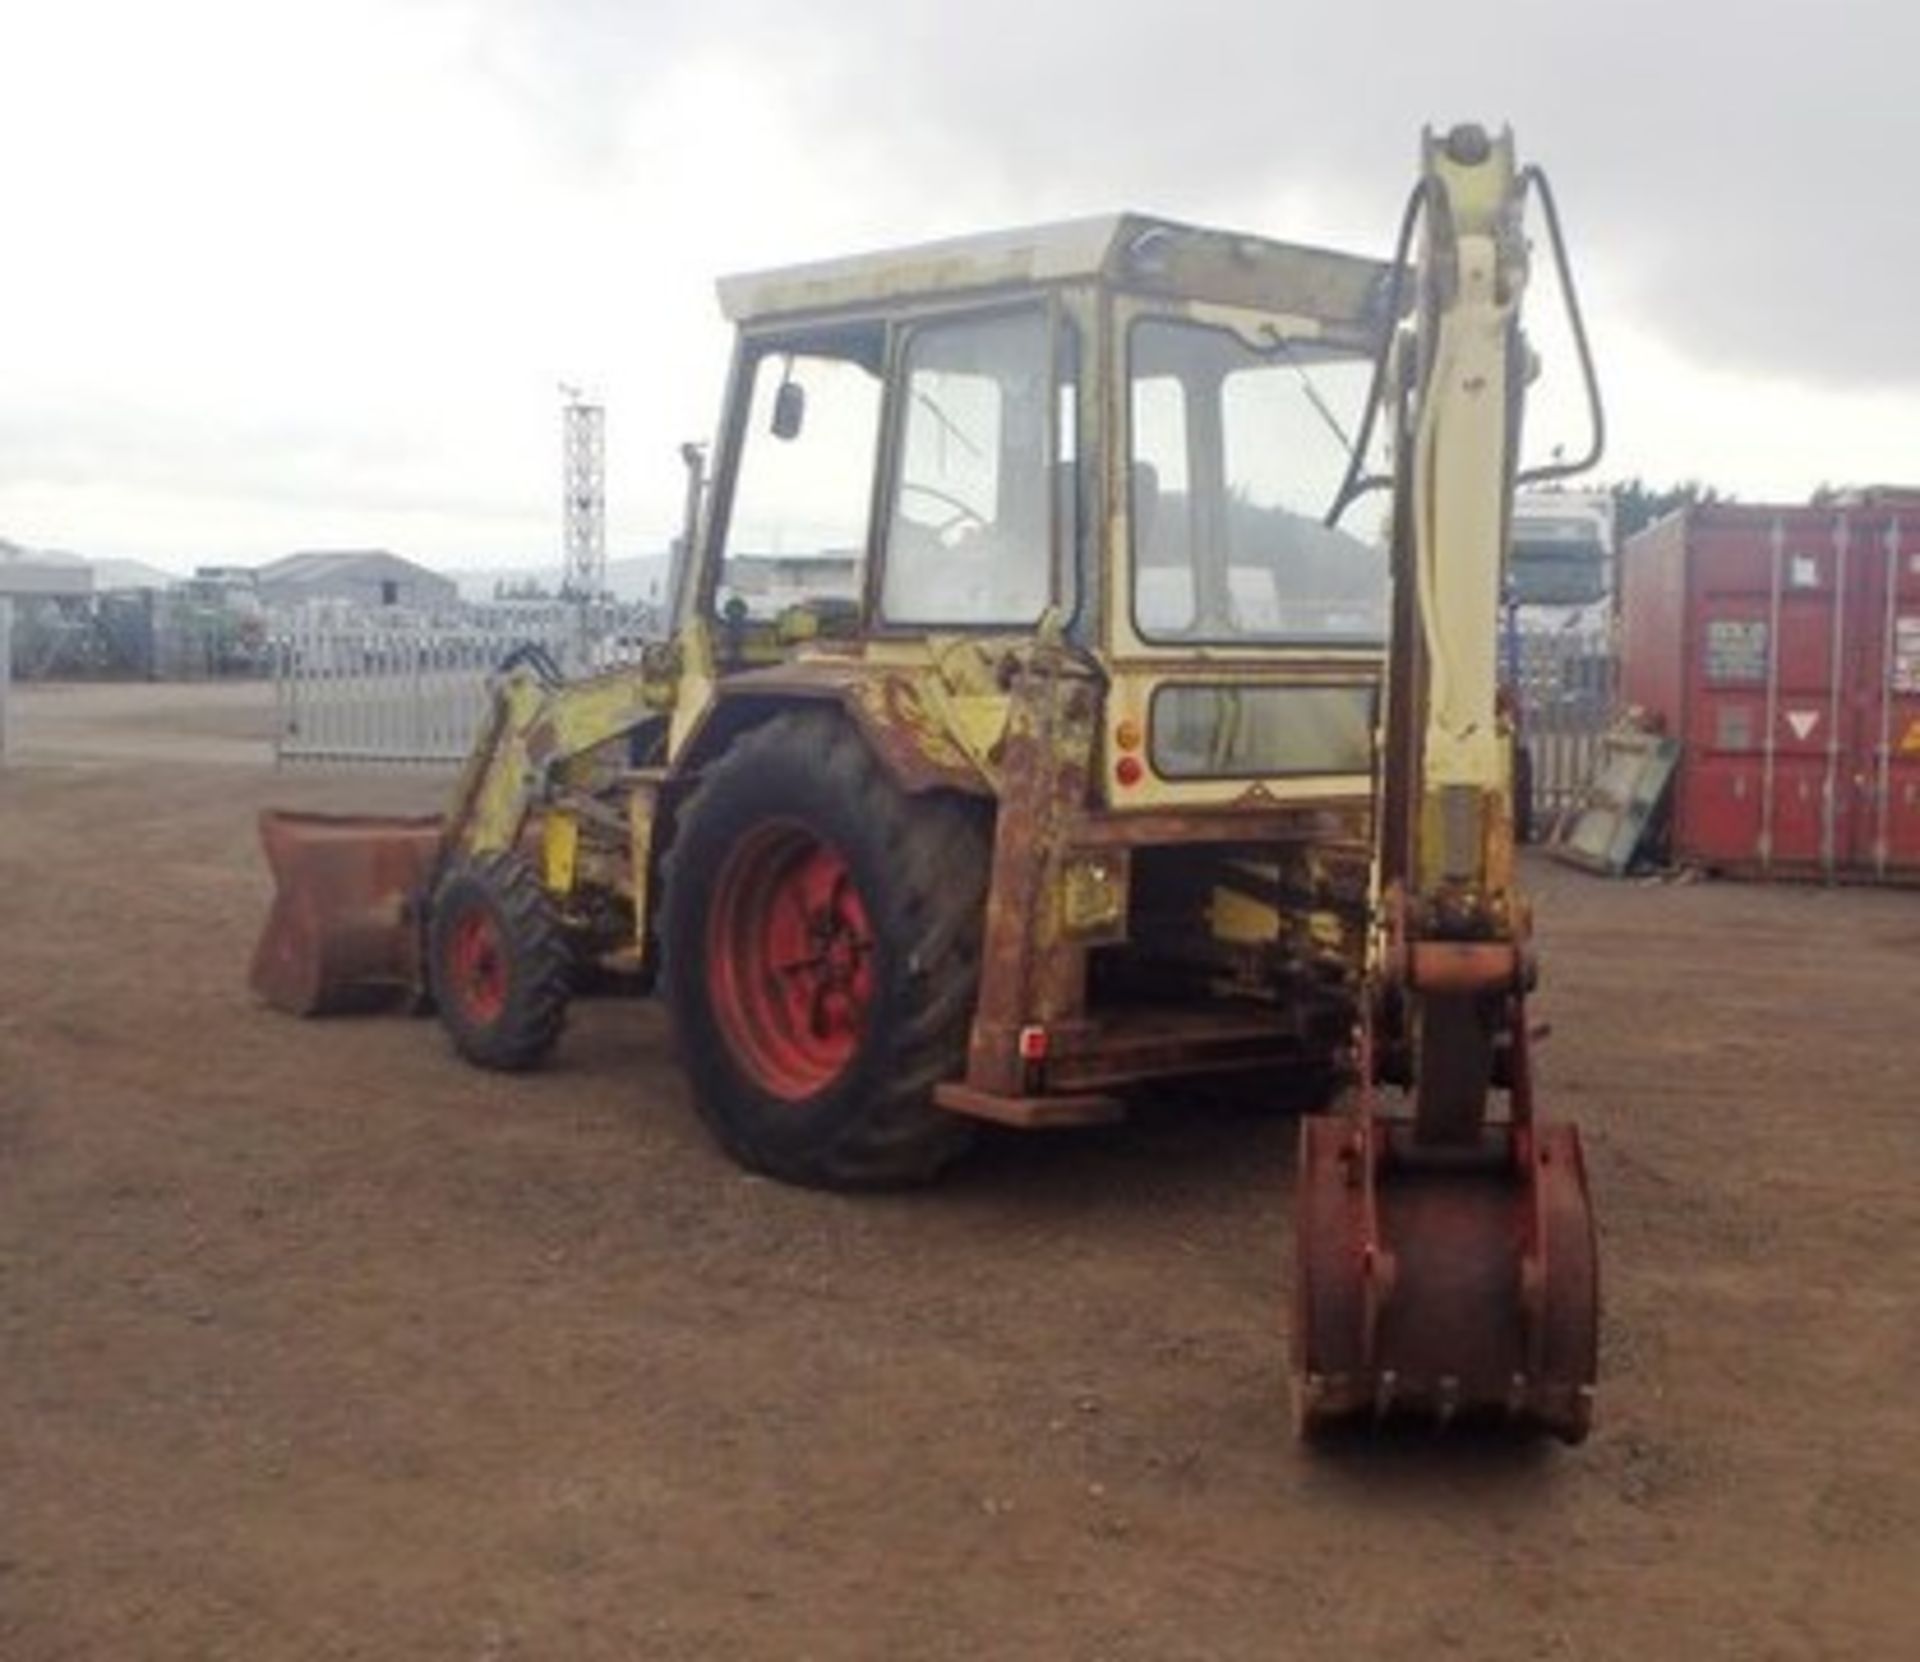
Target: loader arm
537 725
351 894
1446 1261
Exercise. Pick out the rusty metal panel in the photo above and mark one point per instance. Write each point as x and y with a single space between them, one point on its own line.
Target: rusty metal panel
1463 1285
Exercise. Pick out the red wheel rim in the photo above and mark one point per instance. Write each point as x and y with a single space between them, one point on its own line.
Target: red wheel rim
789 960
477 968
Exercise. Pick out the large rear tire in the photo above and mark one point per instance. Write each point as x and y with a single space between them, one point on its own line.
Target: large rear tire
498 963
820 938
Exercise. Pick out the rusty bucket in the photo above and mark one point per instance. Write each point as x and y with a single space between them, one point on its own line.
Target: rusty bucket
1446 1282
344 931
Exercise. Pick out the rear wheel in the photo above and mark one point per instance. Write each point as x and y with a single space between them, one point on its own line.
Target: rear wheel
820 936
498 962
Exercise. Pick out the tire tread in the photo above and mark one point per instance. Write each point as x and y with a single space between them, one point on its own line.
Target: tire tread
541 977
936 847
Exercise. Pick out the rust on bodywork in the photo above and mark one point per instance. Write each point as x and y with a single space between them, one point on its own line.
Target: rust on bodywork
1029 974
1055 849
1464 1287
887 704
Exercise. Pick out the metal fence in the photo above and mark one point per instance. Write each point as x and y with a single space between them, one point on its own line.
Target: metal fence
139 634
1568 685
413 692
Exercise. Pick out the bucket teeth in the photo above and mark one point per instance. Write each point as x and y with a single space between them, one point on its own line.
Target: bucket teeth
1492 1311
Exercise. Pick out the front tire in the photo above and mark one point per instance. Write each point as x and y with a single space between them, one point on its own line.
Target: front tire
498 962
820 939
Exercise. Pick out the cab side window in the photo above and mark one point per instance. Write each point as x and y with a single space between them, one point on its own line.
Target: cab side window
797 532
969 538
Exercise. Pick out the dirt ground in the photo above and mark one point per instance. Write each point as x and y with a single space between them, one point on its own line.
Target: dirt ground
316 1343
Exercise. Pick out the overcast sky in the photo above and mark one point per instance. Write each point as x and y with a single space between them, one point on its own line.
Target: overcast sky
281 274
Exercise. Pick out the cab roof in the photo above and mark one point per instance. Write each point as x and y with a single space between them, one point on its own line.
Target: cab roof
1126 250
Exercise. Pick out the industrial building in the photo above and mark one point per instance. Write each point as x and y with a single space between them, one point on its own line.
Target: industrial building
371 578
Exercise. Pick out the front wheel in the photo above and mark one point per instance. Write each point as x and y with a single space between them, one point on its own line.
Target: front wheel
498 964
820 955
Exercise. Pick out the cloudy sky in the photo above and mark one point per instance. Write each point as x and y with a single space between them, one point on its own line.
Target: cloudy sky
302 273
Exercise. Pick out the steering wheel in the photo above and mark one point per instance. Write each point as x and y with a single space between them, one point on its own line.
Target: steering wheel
963 514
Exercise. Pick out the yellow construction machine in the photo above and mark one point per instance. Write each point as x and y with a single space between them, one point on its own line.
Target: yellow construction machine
1059 702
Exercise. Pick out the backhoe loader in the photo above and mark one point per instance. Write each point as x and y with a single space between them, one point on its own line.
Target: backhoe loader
1084 677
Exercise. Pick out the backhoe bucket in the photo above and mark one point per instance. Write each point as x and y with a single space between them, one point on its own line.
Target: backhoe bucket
344 932
1446 1282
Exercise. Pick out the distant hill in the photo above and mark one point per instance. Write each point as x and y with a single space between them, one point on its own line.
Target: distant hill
635 577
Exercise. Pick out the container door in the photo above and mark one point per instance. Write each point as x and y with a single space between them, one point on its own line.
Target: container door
1764 725
1805 815
1728 647
1719 810
1885 759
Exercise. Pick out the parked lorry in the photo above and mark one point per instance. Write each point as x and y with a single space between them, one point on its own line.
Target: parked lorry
1562 643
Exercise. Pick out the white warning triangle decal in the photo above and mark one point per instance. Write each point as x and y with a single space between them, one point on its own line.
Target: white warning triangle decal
1803 722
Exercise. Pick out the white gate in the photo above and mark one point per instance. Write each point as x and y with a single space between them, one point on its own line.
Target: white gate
414 692
1568 683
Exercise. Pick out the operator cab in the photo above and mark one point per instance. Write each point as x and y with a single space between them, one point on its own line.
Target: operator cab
923 444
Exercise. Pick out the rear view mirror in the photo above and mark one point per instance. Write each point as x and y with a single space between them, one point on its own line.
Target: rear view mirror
789 410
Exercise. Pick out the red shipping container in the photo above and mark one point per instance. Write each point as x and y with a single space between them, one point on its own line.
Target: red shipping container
1781 646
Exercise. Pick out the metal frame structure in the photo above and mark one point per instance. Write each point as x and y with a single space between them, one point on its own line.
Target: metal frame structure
28 579
414 693
583 428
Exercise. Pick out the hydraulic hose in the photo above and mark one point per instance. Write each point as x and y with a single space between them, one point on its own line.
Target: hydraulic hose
1357 481
1532 179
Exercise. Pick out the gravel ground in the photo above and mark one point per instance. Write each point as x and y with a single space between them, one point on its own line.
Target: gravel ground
316 1343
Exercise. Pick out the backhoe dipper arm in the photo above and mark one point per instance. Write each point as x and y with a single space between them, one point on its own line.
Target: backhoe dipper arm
1444 1260
1450 924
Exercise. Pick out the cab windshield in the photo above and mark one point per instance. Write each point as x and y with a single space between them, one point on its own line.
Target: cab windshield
1238 443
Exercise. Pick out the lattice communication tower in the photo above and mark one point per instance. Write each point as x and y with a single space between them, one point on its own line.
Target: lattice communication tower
583 433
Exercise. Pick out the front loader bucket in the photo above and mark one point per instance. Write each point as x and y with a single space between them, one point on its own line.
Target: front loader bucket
344 932
1444 1281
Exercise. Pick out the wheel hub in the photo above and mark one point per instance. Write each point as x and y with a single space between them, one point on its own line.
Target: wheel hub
479 967
790 960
